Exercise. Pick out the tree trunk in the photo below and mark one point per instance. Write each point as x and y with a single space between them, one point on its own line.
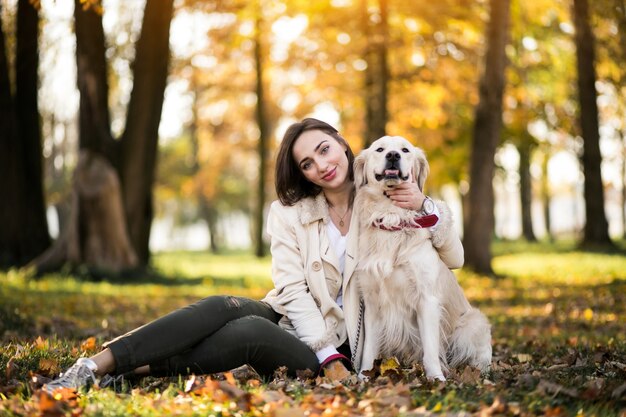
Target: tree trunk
263 140
10 180
545 194
376 73
525 149
33 225
486 136
96 234
93 118
596 232
210 216
623 182
140 139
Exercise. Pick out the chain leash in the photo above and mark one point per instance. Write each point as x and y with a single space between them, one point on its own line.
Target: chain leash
358 330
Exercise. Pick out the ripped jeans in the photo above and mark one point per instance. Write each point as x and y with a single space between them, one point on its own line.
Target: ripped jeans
215 334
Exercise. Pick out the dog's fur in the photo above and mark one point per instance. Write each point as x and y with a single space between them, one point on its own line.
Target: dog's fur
414 308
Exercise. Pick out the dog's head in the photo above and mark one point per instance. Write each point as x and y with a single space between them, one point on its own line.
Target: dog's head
390 161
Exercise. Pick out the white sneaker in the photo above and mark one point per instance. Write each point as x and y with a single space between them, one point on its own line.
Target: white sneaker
80 375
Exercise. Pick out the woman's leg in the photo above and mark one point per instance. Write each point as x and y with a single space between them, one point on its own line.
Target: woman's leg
251 340
179 330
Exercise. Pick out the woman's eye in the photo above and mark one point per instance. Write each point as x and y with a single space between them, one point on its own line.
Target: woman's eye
325 149
379 150
306 166
405 150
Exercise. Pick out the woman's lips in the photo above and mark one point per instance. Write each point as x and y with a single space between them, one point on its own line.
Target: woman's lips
330 175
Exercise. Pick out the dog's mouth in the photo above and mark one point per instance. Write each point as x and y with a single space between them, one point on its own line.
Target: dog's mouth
391 174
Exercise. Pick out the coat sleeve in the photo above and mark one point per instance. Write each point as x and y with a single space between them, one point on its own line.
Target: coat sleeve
292 297
446 240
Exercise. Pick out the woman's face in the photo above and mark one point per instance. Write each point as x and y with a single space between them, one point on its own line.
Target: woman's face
321 159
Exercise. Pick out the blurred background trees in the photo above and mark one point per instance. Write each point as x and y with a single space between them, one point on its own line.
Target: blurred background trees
231 75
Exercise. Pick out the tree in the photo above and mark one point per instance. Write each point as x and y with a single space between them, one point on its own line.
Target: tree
25 230
486 136
118 193
596 231
262 124
375 29
140 138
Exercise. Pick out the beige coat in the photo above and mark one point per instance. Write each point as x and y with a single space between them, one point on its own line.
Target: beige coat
306 276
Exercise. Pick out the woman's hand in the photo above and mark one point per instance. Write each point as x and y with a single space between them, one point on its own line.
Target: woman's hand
336 371
407 195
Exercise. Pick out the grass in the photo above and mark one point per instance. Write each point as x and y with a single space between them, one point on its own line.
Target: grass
559 337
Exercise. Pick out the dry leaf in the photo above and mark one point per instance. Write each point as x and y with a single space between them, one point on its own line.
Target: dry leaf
49 367
41 344
88 345
390 364
336 371
11 369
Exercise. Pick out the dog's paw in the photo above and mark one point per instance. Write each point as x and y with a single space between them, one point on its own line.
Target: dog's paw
438 377
362 377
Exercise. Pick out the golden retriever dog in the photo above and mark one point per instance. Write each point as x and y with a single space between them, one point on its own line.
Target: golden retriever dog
414 309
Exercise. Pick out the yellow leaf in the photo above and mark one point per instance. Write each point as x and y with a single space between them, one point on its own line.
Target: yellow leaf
390 364
41 344
588 314
437 407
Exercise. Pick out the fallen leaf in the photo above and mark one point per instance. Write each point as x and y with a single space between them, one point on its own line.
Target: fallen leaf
497 407
552 388
470 375
619 392
11 369
88 345
289 412
49 367
41 344
389 364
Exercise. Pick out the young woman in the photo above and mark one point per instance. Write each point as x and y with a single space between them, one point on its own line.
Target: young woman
311 319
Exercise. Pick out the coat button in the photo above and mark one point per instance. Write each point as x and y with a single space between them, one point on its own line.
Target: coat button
316 266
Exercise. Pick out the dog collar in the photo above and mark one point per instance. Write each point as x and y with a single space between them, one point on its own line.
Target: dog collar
417 222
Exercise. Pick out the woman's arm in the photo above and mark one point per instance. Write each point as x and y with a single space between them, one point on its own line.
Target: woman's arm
444 237
292 296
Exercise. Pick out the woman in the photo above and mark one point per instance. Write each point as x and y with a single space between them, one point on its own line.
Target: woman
310 320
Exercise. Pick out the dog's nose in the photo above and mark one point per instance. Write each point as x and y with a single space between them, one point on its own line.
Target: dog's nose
393 156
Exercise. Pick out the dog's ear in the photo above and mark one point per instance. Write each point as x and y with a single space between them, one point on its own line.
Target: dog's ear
420 168
360 176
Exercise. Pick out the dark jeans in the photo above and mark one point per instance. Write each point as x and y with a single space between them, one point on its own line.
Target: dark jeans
215 334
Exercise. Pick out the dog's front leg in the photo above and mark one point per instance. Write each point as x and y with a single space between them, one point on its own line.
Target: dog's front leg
371 339
429 322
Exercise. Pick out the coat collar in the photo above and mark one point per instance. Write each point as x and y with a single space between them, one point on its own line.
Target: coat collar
313 209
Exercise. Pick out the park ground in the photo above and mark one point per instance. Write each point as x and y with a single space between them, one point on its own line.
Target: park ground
558 325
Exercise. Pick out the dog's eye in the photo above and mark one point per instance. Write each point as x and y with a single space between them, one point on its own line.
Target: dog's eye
379 150
405 150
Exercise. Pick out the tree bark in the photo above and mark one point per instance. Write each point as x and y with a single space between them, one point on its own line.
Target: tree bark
545 195
140 138
263 140
94 118
376 73
486 136
33 225
525 149
96 234
10 180
596 231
